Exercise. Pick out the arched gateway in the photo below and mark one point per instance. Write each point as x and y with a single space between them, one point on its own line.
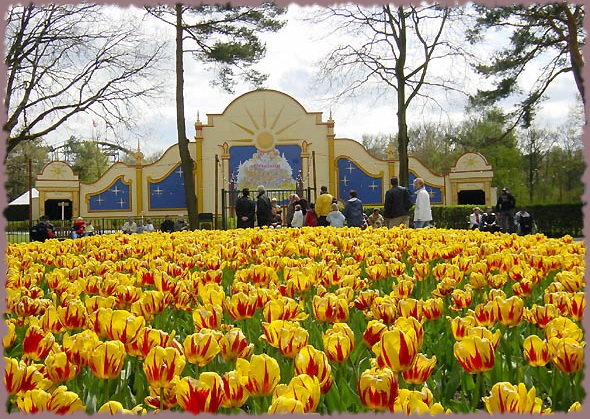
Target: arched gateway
263 137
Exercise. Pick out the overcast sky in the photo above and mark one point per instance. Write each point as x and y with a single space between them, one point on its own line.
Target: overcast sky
291 62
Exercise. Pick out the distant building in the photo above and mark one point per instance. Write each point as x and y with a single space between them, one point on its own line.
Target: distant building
263 137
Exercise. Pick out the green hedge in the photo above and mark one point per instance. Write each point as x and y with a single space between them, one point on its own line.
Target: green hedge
553 220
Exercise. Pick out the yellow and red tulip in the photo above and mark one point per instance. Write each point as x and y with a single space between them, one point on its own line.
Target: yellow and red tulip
207 317
261 374
373 332
200 348
235 391
509 398
233 345
37 343
63 401
204 395
10 336
123 326
20 378
161 366
377 388
291 340
285 405
59 368
304 388
563 327
330 308
114 407
420 370
474 354
314 362
283 308
73 315
567 354
106 359
33 401
241 306
396 349
536 351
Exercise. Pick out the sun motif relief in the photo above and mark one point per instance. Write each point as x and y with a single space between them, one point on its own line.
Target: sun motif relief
265 133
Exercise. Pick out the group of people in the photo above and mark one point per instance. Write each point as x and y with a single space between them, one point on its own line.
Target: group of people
81 228
167 226
263 211
506 220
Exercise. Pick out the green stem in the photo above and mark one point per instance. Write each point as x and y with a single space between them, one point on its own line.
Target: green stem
479 380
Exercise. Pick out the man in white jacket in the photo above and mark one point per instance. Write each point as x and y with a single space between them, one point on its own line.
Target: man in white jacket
422 211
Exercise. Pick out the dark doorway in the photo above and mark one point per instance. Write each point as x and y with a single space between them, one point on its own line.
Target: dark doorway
53 209
472 197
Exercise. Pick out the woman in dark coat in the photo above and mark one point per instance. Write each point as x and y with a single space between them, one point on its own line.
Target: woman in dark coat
245 210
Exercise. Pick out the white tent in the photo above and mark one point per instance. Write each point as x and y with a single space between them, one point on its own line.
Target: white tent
24 198
23 202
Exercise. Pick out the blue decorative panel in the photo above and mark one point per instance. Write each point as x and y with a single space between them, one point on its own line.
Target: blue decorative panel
277 168
114 198
435 193
350 176
168 193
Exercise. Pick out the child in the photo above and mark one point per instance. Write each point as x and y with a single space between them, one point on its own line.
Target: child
297 217
311 219
335 217
375 219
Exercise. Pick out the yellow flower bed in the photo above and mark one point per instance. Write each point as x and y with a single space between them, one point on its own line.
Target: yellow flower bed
311 320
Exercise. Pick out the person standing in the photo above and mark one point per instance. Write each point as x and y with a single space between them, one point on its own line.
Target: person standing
322 205
422 212
263 208
245 210
293 200
398 202
353 210
505 206
311 219
298 219
335 217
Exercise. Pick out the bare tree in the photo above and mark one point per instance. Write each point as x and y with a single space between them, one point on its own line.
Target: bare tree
226 37
393 48
66 60
535 143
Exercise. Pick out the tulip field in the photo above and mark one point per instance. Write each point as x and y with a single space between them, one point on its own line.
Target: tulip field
313 320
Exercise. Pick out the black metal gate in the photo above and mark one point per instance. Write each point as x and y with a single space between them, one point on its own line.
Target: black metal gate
229 197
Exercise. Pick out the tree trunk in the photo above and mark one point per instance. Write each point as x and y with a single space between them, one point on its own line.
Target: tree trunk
402 126
183 144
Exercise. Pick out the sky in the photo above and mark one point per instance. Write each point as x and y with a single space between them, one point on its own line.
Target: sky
291 61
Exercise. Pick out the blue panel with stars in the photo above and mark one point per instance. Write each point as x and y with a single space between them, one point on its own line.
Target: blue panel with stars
115 198
369 189
435 193
168 193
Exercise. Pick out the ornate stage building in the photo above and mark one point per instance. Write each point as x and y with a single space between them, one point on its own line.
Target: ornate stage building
263 137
